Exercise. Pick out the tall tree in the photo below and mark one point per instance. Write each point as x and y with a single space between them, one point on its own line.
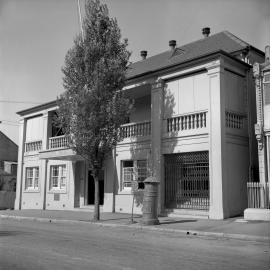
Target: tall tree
92 108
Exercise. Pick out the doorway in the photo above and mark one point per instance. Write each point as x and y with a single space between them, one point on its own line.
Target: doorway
91 188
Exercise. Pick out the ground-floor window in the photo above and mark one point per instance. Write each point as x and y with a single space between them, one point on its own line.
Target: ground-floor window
134 170
58 177
32 178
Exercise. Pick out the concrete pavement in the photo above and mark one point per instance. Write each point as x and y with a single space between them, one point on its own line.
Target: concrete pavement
235 228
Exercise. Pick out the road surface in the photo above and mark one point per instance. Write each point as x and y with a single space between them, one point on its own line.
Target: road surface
35 245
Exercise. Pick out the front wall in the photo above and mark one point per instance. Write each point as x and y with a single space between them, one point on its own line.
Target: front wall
237 167
66 197
32 199
235 95
34 129
186 95
142 110
123 199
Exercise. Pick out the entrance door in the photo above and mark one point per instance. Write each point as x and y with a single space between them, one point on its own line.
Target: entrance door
91 188
187 180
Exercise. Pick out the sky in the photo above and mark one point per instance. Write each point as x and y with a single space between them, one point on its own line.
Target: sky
36 34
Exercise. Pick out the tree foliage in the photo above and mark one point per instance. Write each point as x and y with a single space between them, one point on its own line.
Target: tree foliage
92 108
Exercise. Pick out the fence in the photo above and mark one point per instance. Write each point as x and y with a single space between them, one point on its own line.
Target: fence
258 195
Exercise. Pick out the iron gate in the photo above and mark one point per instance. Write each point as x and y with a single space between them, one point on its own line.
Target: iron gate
187 180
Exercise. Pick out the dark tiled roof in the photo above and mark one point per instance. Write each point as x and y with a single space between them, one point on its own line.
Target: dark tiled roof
224 41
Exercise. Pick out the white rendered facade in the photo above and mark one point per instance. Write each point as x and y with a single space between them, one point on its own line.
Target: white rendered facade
204 106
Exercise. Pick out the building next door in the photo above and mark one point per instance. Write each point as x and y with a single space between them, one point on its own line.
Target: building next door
187 180
91 188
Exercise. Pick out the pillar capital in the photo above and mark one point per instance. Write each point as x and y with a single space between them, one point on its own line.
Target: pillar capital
257 71
216 66
157 85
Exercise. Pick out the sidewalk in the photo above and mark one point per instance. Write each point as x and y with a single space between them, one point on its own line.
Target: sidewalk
236 228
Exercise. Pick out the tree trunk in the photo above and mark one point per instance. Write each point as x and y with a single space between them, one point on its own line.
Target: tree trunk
96 212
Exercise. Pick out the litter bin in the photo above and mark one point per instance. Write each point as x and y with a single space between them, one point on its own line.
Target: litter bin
150 201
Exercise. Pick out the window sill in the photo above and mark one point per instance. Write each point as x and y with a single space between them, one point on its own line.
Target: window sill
31 191
53 191
128 191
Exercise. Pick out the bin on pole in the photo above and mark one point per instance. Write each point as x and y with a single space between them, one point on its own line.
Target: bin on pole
150 201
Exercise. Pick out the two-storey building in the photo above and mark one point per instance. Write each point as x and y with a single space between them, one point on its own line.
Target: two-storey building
192 126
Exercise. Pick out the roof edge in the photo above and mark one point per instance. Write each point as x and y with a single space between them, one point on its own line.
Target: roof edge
190 60
43 106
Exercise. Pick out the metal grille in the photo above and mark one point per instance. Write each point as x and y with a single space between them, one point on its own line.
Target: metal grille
187 180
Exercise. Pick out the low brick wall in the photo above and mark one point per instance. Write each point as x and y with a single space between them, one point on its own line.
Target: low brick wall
7 199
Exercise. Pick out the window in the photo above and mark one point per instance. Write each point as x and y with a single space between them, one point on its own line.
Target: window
32 178
58 177
134 170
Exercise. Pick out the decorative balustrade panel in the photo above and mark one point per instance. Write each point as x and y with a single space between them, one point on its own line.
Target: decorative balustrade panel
135 130
258 195
33 146
186 122
235 120
58 142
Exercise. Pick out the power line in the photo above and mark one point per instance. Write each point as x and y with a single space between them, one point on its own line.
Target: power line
9 124
9 121
13 101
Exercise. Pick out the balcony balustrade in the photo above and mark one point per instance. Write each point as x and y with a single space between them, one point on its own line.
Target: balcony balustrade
235 120
135 129
58 142
33 146
186 122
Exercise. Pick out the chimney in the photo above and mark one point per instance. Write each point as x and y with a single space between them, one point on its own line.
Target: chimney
172 44
143 54
206 31
267 53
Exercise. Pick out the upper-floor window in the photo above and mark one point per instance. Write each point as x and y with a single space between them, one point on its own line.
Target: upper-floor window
56 130
133 170
32 178
58 177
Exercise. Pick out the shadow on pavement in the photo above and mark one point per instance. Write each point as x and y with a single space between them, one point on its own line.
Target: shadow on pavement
11 233
176 221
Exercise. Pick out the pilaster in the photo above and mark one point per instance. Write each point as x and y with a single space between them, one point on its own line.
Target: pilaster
259 125
44 180
22 132
217 154
156 135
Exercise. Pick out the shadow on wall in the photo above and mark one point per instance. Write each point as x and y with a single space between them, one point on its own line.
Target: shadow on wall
138 149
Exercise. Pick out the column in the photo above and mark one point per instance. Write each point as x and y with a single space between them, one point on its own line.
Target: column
156 135
217 155
19 185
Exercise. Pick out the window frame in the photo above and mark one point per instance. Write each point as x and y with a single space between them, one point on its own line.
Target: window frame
58 178
33 177
136 173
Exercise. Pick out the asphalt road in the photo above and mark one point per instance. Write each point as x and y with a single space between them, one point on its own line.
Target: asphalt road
34 245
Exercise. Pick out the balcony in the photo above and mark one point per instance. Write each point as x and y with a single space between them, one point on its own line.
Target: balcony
58 149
